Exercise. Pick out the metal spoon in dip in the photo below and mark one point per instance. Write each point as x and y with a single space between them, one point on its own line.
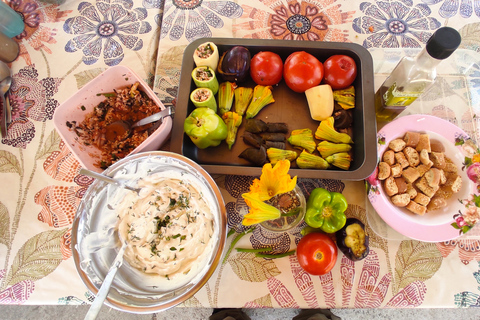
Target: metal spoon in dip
106 284
107 179
121 130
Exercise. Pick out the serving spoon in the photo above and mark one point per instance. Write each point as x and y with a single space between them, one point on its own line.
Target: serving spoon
106 284
120 130
107 179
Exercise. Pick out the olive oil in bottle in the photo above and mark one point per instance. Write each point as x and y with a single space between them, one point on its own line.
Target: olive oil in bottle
414 75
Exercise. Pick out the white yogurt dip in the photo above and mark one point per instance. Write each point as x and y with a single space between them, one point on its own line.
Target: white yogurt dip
168 226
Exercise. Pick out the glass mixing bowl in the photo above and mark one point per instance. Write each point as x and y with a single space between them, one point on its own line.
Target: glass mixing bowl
96 241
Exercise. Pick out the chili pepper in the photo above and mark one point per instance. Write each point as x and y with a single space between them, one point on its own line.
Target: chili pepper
326 210
205 128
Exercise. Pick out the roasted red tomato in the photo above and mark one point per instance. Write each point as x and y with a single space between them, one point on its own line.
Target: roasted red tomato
302 71
266 68
317 253
340 71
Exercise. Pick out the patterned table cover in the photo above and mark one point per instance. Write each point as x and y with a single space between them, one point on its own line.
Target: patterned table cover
66 44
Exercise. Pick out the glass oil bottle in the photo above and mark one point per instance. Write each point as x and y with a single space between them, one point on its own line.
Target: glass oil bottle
414 75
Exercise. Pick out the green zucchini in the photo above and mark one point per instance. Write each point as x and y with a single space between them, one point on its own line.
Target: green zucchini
204 98
204 77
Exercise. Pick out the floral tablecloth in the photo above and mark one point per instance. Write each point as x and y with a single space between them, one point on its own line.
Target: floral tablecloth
65 44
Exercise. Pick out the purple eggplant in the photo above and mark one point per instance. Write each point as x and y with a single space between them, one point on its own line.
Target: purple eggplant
234 64
352 240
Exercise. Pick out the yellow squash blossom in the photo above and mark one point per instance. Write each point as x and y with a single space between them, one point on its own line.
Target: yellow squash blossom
259 211
274 180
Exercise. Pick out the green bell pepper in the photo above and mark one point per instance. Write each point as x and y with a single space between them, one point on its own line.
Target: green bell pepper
326 210
205 128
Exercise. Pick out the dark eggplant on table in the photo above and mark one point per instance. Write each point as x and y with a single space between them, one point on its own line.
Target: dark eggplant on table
234 64
353 240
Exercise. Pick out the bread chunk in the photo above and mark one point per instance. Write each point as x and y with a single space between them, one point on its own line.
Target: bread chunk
411 139
450 166
396 170
410 174
454 182
390 186
384 170
401 184
397 145
422 199
389 157
438 159
423 168
436 203
423 186
412 192
423 143
433 177
401 200
416 208
400 158
412 156
425 158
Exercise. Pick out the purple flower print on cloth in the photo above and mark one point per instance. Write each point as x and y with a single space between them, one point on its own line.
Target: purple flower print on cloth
31 98
450 8
195 17
99 26
394 24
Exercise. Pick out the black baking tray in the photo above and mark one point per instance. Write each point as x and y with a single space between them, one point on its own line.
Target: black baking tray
289 107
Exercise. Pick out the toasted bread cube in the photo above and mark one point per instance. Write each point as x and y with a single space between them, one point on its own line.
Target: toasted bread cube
412 156
425 158
422 169
410 174
443 177
416 208
454 182
450 166
401 200
389 157
397 144
444 192
390 186
400 158
436 203
433 177
423 186
396 170
438 159
411 191
384 171
401 184
411 138
422 199
423 143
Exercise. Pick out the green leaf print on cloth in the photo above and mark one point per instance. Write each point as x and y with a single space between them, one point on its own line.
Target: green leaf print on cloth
415 260
37 258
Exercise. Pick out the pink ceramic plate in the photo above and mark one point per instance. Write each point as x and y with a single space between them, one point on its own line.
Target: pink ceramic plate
461 212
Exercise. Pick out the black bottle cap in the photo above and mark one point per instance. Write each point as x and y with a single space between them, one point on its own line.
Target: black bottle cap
443 42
